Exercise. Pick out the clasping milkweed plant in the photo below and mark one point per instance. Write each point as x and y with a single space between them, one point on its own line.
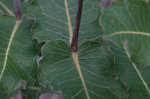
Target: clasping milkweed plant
74 49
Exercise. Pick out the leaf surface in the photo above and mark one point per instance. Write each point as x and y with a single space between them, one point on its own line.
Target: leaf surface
20 57
54 21
128 21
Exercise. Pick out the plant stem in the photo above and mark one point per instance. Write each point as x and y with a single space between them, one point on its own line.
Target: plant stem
74 41
17 9
74 44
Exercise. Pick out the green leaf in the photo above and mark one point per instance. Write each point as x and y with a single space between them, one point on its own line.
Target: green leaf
128 21
94 77
20 57
96 65
55 24
105 68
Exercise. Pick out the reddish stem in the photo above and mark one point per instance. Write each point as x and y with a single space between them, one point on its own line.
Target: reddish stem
74 44
17 9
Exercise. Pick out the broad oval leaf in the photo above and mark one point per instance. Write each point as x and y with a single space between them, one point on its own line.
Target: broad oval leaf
79 77
20 57
128 21
102 70
96 65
